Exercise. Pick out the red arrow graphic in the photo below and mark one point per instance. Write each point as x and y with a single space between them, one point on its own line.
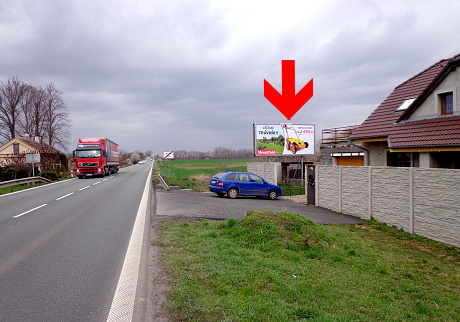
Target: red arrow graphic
288 103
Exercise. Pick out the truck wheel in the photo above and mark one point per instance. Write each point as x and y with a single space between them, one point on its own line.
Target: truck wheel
80 177
232 193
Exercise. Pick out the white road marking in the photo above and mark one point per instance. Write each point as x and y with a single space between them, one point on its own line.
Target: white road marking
26 212
83 188
97 183
122 308
69 194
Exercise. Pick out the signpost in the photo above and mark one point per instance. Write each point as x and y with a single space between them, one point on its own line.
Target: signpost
168 156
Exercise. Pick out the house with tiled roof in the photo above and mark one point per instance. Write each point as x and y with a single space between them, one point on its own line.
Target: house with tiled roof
418 124
14 152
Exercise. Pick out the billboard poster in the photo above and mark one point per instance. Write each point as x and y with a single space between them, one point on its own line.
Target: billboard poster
284 139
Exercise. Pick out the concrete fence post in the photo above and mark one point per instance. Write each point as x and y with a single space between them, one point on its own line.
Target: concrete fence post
317 185
369 187
340 189
411 200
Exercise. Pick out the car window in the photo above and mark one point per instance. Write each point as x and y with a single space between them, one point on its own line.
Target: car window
243 177
219 175
257 179
231 176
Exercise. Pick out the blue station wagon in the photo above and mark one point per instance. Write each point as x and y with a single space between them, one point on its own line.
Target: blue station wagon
234 184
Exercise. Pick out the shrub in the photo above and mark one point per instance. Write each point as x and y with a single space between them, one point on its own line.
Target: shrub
50 175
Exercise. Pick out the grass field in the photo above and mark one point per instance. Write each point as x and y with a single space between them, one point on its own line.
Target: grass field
195 174
276 266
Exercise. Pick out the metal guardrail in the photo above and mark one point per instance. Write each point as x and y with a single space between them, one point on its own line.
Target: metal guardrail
10 183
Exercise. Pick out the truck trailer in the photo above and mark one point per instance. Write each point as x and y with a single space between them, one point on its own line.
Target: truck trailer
96 157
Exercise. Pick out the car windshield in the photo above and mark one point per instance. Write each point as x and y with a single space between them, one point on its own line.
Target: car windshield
88 154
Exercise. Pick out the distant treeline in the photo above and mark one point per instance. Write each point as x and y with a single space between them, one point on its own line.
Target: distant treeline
217 153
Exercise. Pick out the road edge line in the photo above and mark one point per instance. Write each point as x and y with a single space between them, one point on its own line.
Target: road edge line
122 308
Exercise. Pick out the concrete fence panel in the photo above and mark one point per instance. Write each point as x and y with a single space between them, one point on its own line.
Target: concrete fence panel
270 171
390 196
328 187
437 204
354 184
420 201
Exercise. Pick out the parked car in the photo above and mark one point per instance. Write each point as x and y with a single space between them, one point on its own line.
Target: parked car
234 184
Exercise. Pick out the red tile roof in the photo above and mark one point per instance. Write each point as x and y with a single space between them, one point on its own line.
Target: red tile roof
437 132
430 132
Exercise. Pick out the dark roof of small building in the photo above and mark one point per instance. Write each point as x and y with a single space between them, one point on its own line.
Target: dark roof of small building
383 121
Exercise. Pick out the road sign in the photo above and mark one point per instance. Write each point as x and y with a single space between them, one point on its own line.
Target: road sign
32 158
168 155
288 103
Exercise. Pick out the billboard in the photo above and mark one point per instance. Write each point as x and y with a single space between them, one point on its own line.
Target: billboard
284 139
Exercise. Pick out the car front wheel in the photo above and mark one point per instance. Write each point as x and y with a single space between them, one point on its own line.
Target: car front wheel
272 195
232 193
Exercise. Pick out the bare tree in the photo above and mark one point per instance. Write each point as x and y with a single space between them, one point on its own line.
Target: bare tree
12 98
56 118
33 113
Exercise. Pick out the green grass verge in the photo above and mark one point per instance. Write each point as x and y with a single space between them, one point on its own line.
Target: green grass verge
277 266
13 189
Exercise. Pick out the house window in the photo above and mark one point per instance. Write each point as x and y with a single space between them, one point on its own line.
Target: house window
447 103
404 106
15 148
403 159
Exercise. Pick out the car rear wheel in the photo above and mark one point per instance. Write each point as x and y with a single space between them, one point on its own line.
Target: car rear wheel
272 195
232 193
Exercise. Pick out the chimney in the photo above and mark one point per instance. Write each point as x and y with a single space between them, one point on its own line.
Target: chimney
26 136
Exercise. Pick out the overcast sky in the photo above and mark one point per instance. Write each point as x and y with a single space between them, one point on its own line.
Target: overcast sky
166 75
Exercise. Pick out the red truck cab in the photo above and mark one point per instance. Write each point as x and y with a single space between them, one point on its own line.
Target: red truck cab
96 157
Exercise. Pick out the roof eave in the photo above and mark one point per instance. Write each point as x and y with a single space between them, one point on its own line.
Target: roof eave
427 148
370 139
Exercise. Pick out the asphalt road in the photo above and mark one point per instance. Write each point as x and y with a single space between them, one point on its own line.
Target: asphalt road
63 246
185 203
